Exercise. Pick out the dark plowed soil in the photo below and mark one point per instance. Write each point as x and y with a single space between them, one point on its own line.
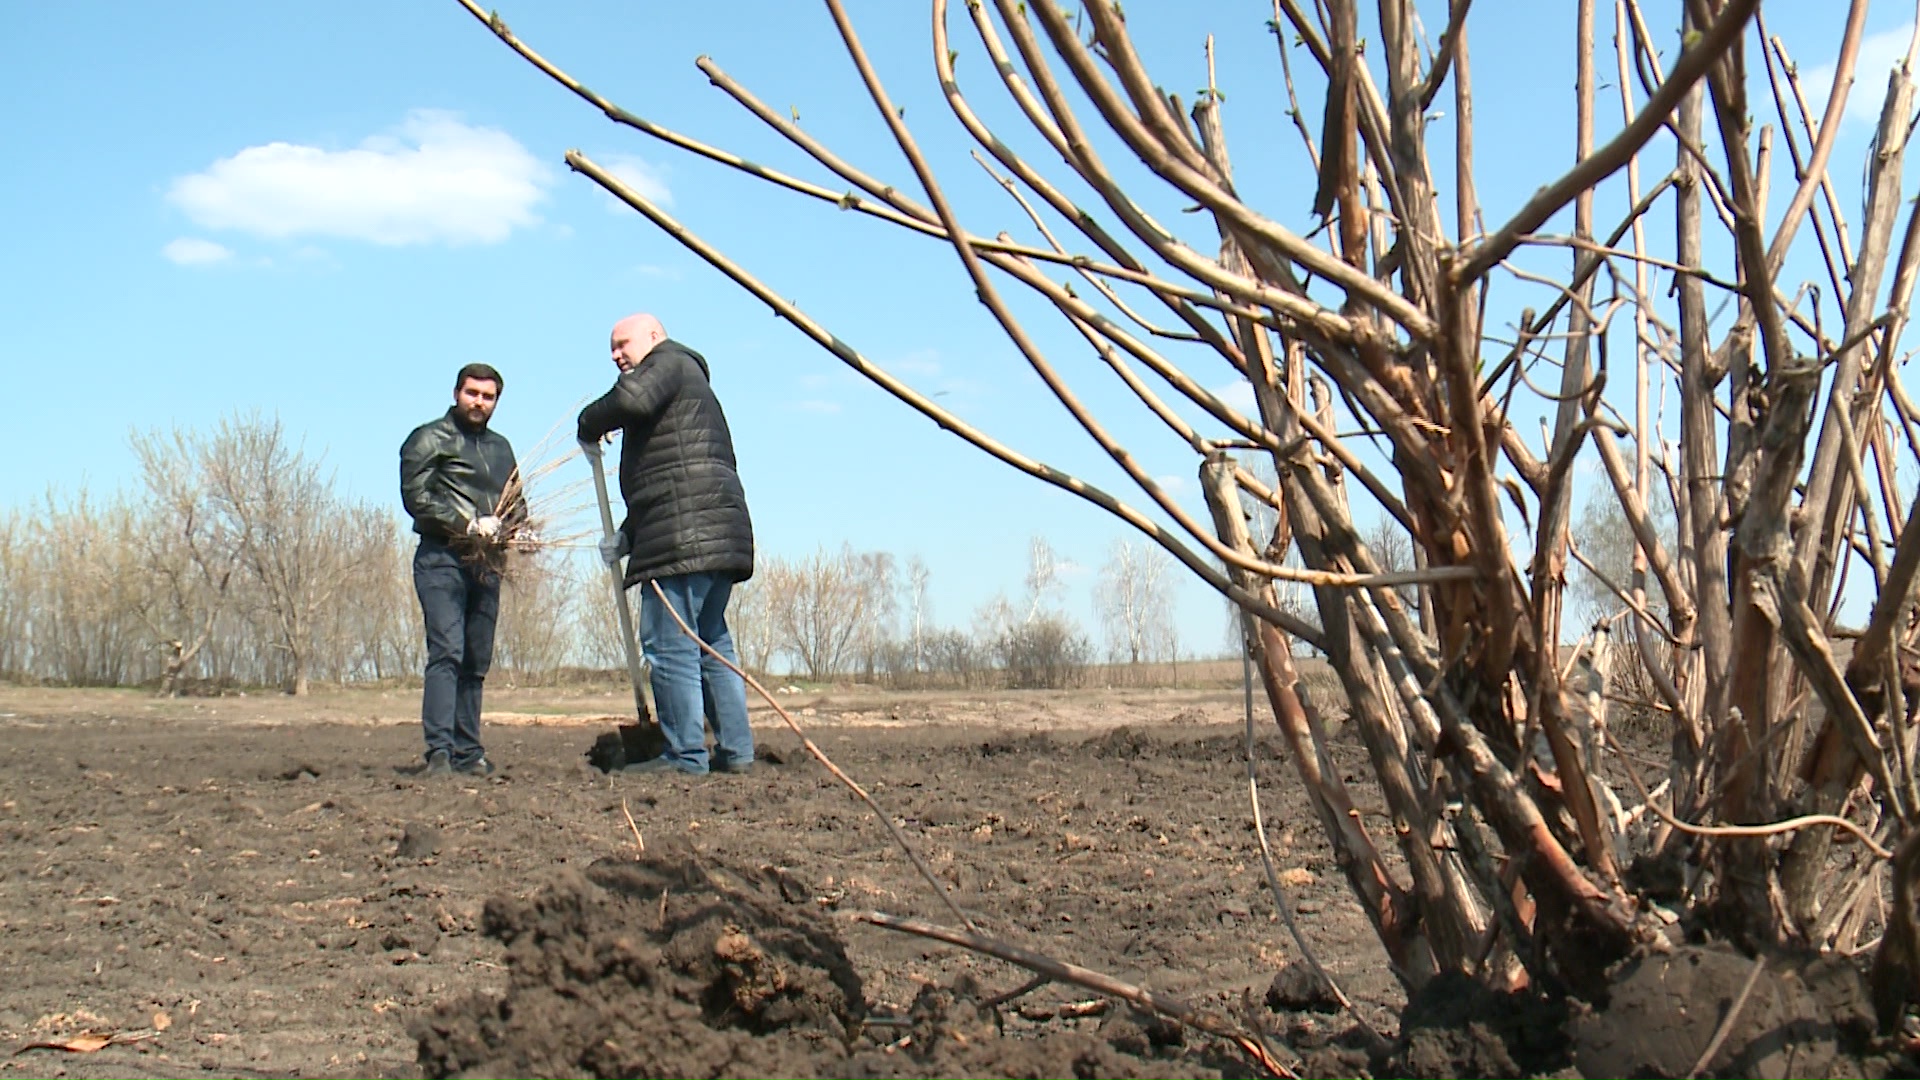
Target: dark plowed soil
284 896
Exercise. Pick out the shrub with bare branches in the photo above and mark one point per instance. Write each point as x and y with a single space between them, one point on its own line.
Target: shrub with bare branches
831 610
1777 446
534 637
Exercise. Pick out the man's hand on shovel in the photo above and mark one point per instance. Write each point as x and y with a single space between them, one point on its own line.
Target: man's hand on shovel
613 548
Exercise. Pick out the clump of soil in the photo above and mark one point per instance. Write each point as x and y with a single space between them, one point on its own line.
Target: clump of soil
658 966
1299 988
1664 1010
631 743
649 968
1454 1026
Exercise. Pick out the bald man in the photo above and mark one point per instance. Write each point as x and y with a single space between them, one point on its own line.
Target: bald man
687 531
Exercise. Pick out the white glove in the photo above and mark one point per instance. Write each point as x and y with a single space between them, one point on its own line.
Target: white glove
590 448
486 528
612 548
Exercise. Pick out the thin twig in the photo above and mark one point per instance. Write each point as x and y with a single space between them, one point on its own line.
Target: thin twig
1806 821
639 844
1281 901
1061 971
947 420
1602 163
886 819
1726 1024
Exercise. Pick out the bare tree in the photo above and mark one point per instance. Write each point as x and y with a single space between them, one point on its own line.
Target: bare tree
750 619
294 537
826 606
81 580
596 619
1043 577
387 611
1425 328
875 630
919 612
1601 581
1134 600
994 619
534 638
15 596
189 560
1394 551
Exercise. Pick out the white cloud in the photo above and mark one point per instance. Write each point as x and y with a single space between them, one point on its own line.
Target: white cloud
647 180
1879 54
195 251
658 273
825 408
1173 483
434 180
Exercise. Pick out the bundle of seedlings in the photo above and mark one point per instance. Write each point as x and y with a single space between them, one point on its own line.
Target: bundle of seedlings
535 515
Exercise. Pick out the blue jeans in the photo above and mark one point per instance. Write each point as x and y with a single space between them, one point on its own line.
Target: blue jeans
461 604
688 684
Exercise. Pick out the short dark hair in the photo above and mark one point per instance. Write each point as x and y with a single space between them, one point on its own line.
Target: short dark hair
480 373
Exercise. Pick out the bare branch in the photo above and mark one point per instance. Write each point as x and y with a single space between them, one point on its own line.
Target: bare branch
1691 67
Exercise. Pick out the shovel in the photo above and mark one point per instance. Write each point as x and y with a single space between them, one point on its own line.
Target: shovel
637 667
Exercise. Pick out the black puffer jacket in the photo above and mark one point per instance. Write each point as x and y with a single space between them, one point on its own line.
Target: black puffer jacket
451 474
686 511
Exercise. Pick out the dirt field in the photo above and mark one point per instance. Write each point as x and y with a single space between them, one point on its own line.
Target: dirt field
264 886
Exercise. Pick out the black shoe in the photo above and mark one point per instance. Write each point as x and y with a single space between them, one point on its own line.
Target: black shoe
654 765
730 766
439 763
479 766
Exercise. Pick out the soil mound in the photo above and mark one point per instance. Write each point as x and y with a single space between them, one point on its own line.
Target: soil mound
1454 1026
649 968
630 743
1664 1010
659 966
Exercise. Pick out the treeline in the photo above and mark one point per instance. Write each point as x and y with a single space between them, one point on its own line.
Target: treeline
236 563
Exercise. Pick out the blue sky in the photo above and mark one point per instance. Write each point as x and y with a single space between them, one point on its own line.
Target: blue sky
322 211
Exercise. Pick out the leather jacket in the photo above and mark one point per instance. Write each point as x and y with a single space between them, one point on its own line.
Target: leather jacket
451 474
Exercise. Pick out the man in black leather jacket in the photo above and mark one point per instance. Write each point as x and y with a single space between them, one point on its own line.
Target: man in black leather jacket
454 472
687 531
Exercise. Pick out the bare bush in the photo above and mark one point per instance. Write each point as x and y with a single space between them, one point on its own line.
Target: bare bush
957 659
830 609
534 637
1046 652
596 617
1366 304
82 582
750 620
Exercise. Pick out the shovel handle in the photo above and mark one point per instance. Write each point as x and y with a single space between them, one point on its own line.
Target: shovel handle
641 689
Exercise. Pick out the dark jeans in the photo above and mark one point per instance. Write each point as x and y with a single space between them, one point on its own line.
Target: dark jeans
690 687
461 604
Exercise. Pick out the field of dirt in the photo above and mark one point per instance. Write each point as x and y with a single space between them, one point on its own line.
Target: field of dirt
262 885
